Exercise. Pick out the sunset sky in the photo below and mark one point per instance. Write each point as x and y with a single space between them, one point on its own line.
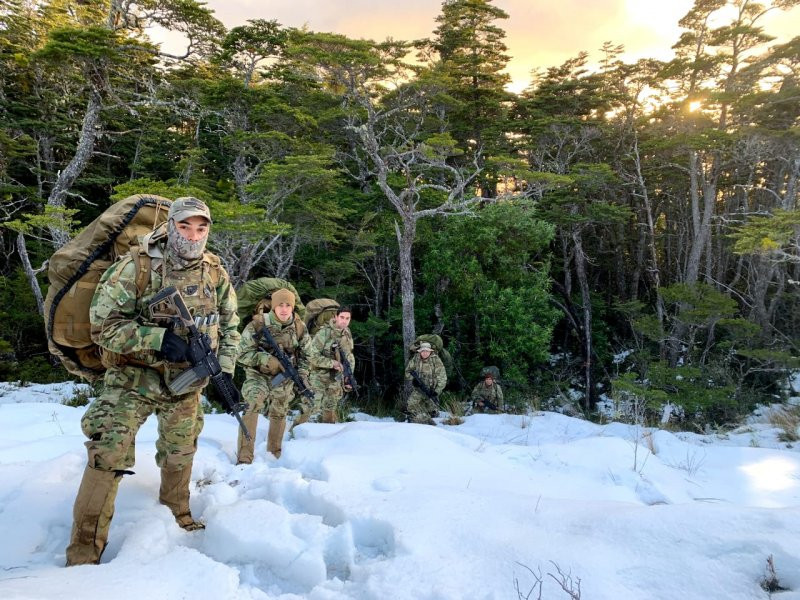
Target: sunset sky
539 33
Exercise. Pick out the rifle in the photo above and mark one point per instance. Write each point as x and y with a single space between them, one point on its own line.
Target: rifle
200 355
347 370
424 388
489 404
288 368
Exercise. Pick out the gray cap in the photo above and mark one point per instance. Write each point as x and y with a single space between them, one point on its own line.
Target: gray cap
425 347
188 206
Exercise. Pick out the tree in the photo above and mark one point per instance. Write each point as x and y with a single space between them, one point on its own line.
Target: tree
393 140
471 56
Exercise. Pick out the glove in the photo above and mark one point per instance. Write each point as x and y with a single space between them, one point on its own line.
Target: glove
237 405
273 366
173 348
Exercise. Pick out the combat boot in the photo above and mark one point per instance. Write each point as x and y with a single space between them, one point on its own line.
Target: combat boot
174 494
92 514
303 418
277 425
245 448
329 416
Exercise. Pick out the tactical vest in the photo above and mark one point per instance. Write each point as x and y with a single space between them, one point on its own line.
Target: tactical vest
197 285
336 340
287 336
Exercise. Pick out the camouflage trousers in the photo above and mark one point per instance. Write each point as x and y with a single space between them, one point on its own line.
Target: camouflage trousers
263 399
129 396
420 407
328 391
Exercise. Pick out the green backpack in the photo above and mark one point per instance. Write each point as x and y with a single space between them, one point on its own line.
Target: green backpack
319 312
255 296
436 342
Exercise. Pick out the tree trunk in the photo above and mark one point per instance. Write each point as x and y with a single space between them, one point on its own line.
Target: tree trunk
405 243
586 299
83 153
30 273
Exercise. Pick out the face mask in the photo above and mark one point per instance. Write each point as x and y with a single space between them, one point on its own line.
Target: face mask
182 249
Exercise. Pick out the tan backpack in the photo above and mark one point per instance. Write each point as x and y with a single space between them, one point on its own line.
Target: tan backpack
76 268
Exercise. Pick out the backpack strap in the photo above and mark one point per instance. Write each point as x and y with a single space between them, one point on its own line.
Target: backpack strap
299 326
214 269
142 263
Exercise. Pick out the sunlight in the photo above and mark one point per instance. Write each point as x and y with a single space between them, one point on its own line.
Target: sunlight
695 105
772 474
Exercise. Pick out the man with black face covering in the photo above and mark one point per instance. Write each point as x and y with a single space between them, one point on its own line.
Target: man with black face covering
142 355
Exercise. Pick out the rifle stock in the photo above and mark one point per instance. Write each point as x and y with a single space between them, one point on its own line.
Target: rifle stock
202 358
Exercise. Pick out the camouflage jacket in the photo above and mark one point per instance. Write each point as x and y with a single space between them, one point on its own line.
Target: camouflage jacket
430 370
325 344
492 393
121 324
292 338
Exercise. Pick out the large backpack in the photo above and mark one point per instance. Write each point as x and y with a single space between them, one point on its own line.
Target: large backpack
319 312
255 296
75 270
436 342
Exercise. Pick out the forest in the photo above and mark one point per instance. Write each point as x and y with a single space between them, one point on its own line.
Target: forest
623 232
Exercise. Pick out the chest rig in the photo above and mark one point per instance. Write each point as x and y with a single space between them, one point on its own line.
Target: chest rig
198 286
287 336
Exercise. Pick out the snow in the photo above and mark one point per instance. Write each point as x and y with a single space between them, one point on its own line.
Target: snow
374 509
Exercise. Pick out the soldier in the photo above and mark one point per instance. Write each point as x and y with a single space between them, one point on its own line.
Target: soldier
330 343
261 390
142 356
487 395
430 370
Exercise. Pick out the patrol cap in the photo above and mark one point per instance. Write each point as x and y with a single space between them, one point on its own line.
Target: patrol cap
425 347
188 206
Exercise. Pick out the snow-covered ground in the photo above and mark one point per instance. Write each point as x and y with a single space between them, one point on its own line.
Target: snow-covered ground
382 510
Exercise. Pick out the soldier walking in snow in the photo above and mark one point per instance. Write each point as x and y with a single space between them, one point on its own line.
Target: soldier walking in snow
269 384
143 354
331 347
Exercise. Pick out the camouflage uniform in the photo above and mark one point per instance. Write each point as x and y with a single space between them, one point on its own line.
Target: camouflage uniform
260 367
326 347
481 393
135 384
432 373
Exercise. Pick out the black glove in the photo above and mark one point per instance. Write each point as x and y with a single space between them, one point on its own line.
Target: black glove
173 348
237 405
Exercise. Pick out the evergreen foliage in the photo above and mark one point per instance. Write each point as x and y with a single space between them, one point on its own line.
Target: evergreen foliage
647 207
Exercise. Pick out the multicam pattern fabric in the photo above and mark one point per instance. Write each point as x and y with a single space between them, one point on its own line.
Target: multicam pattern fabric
327 346
432 373
260 366
135 383
131 395
183 250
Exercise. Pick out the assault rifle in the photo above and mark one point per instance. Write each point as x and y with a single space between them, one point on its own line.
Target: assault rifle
417 380
200 355
347 370
488 404
288 368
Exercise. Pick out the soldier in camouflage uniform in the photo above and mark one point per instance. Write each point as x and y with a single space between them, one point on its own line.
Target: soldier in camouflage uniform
329 344
487 392
141 356
431 371
261 368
